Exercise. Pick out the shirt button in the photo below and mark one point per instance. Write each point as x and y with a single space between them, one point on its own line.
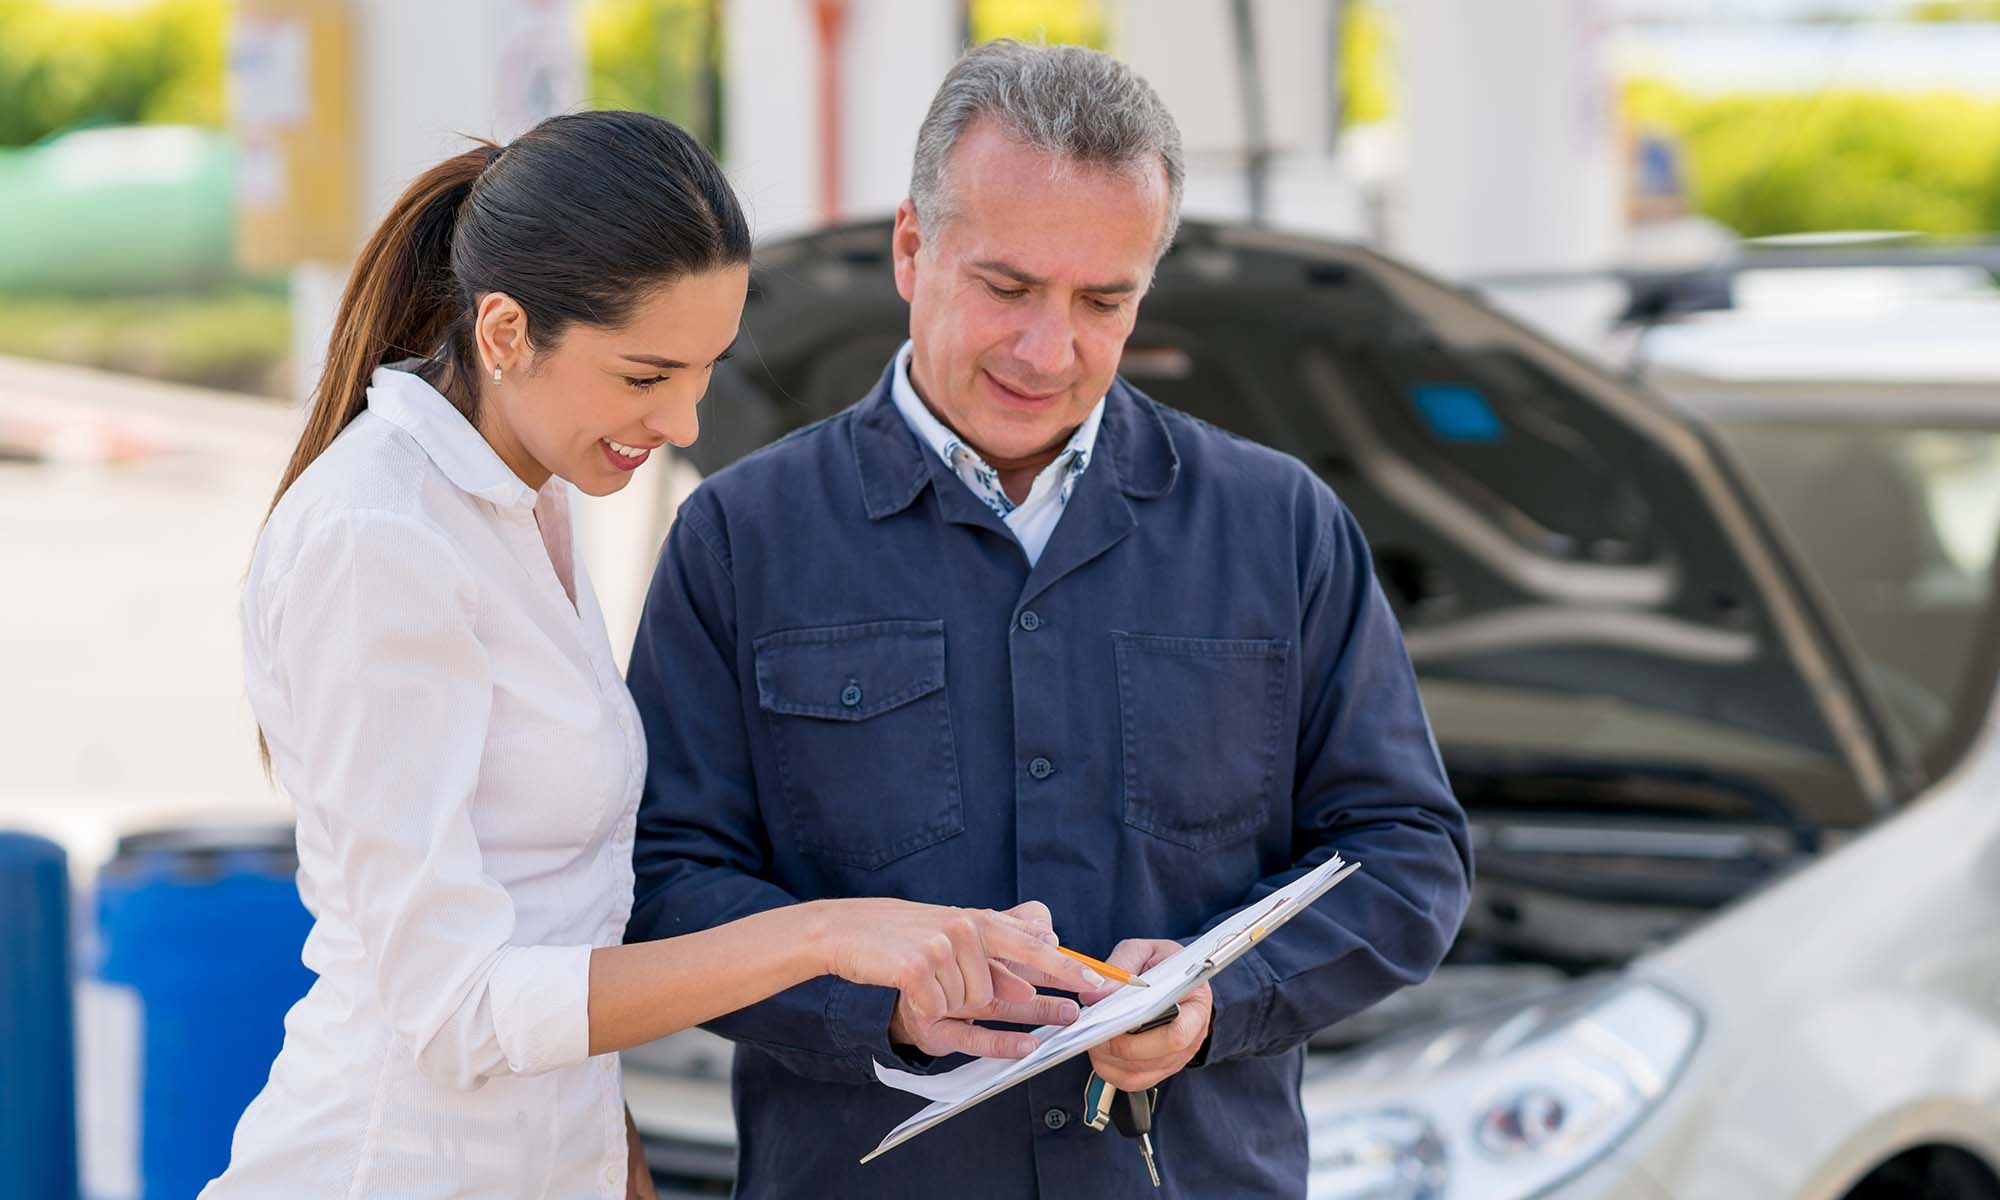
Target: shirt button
1041 768
1055 1118
850 696
1031 620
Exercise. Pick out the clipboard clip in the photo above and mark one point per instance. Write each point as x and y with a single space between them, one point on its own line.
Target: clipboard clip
1235 947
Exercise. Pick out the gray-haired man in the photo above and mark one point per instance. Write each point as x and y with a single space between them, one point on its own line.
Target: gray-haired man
1007 628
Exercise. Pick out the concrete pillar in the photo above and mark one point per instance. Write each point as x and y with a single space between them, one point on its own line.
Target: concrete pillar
1511 153
1285 117
892 55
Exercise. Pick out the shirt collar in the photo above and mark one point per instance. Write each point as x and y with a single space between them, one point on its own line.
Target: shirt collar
948 446
466 458
893 465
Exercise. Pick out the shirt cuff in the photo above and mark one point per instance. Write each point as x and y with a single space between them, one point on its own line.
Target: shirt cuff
857 1021
541 1006
1243 993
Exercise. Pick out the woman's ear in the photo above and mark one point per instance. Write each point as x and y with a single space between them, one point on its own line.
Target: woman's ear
500 332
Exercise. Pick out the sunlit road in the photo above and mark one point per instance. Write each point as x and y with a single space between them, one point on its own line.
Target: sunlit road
121 695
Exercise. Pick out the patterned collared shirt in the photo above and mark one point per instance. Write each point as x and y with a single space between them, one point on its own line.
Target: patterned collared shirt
1034 519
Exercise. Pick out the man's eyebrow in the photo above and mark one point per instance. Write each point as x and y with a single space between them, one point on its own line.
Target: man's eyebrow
655 361
997 267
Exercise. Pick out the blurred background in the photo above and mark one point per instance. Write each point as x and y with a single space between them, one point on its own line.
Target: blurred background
1777 213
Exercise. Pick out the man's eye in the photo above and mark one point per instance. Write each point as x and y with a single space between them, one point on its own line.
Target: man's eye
645 384
1103 306
1002 293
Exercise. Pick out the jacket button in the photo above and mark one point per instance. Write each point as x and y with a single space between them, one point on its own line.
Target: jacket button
850 695
1055 1118
1031 620
1041 768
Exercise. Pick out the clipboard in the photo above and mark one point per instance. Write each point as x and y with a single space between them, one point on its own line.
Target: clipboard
1127 1008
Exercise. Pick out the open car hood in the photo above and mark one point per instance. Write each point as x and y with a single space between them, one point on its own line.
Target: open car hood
1557 542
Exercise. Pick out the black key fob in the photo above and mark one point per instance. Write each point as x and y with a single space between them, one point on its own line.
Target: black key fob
1132 1112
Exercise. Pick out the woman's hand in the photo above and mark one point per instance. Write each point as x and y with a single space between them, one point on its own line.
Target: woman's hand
953 967
638 1177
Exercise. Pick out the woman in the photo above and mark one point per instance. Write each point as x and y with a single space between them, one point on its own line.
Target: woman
431 674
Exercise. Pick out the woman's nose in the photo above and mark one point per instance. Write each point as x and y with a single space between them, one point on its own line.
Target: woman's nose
679 423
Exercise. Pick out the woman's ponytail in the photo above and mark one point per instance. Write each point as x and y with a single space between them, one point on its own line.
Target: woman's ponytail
401 302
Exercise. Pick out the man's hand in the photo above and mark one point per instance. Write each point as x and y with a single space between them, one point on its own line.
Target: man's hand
1135 1062
1014 1000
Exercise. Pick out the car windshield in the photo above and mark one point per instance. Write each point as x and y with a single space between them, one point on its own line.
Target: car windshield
1899 523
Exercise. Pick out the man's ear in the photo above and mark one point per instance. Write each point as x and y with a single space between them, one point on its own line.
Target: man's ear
904 244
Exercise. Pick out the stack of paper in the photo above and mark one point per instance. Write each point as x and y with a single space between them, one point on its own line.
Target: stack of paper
1127 1008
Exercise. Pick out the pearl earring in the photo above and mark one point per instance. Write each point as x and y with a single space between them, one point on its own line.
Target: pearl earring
496 374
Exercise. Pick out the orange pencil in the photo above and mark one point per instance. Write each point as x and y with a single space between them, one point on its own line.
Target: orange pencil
1116 974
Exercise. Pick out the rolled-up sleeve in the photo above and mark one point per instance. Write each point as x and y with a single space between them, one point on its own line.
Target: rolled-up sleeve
390 691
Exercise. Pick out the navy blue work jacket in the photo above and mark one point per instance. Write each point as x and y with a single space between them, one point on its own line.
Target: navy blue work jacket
853 684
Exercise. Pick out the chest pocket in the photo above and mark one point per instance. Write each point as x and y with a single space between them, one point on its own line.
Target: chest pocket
1200 724
861 731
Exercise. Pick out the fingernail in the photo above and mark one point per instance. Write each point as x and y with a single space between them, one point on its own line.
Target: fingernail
1051 938
1092 978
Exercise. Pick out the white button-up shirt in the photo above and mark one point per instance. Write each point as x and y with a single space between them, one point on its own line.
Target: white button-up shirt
465 763
1034 519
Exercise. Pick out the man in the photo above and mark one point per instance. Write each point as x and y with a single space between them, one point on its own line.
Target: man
1007 631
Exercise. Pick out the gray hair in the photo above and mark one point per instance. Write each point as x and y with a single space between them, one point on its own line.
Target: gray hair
1081 106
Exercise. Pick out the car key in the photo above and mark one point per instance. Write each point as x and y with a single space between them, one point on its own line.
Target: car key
1103 1103
1133 1114
1099 1095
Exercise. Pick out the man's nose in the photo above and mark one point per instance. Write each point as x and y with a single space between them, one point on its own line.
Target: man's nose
1048 345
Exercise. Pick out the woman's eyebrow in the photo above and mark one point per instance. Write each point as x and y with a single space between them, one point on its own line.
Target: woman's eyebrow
655 361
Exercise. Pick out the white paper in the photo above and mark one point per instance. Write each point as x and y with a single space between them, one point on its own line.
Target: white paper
1126 1008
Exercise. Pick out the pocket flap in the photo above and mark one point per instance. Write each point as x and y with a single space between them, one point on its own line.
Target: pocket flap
849 672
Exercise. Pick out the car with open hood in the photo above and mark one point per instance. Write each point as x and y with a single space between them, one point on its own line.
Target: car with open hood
1700 822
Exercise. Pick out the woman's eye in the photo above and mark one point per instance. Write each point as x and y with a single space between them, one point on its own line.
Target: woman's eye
645 384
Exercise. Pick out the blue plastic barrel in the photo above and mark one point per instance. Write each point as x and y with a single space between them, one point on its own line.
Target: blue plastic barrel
205 927
37 1050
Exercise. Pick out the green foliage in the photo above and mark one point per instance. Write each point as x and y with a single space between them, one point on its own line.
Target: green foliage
1056 22
1788 163
233 338
1367 80
65 65
62 66
1955 10
657 56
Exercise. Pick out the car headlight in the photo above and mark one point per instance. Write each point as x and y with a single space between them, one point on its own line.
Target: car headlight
1498 1106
